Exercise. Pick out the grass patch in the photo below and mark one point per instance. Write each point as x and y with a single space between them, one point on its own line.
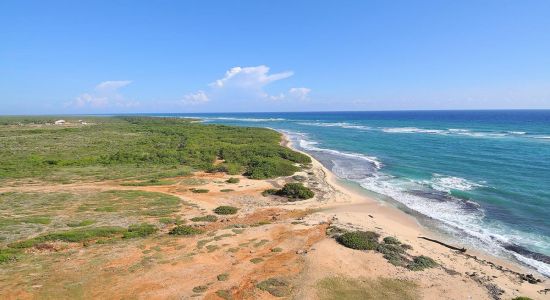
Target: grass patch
208 218
73 236
185 230
81 223
366 289
9 255
277 287
140 230
226 210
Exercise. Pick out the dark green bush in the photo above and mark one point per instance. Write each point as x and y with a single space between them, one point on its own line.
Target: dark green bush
200 191
263 168
226 210
391 240
360 240
421 262
269 192
233 180
140 230
184 230
295 191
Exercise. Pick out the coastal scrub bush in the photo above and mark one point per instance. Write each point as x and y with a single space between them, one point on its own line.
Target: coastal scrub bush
295 191
200 289
200 191
360 240
233 180
140 230
184 230
225 210
391 240
223 277
522 298
422 262
208 218
262 168
277 287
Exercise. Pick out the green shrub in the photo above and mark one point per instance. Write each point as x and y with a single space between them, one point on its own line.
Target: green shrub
208 218
199 191
275 286
223 277
295 191
226 190
421 262
360 240
140 230
256 260
522 298
233 180
277 249
269 192
226 210
224 294
200 289
184 230
391 240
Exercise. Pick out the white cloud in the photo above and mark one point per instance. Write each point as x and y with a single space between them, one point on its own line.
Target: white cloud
195 98
299 93
246 84
104 95
112 85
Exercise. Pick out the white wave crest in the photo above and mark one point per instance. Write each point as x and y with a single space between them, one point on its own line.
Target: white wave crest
447 183
244 119
339 124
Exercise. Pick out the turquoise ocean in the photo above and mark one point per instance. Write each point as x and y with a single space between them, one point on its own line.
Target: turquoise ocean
481 177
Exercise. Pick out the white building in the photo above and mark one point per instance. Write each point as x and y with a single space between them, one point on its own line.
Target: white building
59 122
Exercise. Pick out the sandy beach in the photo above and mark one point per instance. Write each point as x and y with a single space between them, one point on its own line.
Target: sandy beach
470 275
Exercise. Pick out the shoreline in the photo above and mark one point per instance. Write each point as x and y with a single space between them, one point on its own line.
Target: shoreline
498 275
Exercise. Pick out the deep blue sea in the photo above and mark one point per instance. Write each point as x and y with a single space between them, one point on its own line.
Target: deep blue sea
481 176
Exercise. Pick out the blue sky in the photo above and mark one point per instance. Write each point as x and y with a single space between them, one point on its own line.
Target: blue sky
218 56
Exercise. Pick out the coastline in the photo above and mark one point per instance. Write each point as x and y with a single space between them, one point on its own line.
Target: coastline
471 274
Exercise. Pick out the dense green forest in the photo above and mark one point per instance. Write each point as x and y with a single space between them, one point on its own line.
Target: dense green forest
137 147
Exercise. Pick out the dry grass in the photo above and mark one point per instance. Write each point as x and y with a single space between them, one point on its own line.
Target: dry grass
351 289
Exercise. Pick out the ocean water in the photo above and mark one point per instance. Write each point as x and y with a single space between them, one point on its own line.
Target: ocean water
483 177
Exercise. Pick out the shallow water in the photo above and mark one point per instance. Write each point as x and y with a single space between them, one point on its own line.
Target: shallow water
483 175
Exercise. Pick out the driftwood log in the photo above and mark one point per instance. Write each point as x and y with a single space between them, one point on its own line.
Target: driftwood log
443 244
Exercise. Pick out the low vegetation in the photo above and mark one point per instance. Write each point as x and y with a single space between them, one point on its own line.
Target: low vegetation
74 236
391 248
139 148
185 230
233 180
366 289
293 191
200 191
277 287
226 210
140 230
208 218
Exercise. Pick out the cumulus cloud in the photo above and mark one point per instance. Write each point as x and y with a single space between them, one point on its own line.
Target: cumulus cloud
105 94
246 84
195 98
